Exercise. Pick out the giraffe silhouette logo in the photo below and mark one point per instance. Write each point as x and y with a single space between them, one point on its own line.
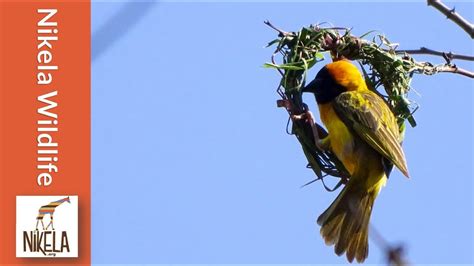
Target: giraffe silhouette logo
49 209
54 232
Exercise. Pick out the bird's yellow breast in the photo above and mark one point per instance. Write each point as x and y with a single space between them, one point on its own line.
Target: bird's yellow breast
341 139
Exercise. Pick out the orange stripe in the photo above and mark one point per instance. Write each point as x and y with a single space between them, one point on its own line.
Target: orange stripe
18 116
46 209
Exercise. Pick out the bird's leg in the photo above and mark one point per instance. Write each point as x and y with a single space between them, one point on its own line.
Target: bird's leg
317 140
321 144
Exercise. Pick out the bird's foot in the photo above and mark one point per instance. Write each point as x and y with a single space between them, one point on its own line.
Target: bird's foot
308 117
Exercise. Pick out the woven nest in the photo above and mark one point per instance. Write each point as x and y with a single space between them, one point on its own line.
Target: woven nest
386 73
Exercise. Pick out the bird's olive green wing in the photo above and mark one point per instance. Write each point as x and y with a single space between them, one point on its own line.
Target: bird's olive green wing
372 120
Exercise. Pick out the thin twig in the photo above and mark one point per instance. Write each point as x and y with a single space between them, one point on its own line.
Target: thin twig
282 32
394 253
424 50
454 16
455 69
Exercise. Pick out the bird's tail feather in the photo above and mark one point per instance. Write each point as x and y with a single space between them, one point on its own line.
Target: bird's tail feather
345 223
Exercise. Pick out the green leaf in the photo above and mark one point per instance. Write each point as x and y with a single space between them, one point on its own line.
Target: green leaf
289 66
273 42
270 65
367 33
412 121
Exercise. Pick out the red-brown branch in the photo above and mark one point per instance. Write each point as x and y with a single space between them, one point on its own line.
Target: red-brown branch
453 16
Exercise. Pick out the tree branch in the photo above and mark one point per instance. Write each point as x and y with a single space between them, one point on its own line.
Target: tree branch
452 15
455 69
449 55
448 67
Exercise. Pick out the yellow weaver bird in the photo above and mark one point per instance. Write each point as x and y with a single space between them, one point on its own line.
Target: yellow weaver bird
364 135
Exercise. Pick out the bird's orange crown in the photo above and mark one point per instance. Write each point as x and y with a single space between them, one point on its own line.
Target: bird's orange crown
334 79
346 75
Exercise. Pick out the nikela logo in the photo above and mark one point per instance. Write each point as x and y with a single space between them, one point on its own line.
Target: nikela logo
46 226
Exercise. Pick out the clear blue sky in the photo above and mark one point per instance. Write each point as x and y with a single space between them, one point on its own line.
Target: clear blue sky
190 159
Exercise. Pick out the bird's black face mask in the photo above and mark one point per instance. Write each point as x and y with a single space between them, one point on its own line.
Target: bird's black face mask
324 87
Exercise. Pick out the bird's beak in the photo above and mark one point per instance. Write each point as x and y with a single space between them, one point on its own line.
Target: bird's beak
312 86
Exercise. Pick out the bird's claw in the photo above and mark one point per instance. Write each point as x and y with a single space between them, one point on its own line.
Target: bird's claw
308 117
